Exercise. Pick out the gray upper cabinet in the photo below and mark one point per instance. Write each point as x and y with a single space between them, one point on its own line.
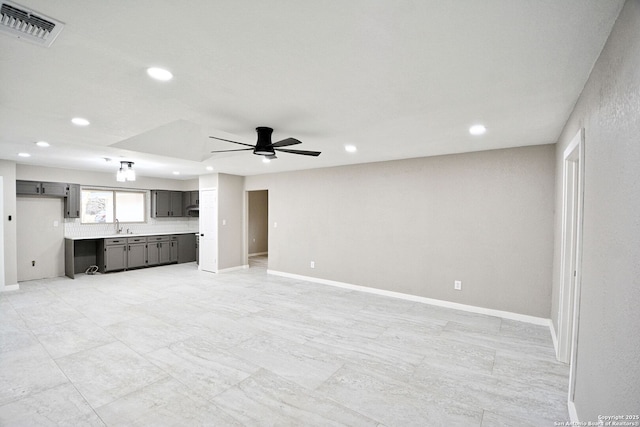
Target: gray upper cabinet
36 188
54 189
72 202
166 203
28 188
190 199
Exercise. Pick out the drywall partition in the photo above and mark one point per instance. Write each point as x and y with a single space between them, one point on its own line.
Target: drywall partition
607 371
231 219
415 226
8 174
1 235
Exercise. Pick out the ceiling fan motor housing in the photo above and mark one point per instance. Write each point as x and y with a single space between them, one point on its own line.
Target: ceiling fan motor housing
263 145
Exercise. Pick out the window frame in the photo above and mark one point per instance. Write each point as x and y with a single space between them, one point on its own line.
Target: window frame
145 203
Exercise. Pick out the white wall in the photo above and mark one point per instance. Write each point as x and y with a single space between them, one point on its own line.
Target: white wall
231 221
41 173
608 354
8 173
40 230
414 226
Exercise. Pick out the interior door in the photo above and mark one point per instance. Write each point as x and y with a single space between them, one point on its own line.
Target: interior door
208 244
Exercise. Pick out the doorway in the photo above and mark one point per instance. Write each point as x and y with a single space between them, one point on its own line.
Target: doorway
570 258
258 228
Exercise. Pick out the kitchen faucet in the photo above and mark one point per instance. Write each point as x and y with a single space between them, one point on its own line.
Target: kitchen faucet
118 228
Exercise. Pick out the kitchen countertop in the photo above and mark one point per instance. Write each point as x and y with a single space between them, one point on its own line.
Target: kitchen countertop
114 236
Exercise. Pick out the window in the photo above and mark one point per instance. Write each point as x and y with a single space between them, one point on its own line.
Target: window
105 206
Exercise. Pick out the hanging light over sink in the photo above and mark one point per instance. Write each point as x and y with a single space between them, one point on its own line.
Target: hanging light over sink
126 172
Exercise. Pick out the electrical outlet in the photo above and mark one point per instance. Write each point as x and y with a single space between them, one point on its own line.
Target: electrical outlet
457 285
313 264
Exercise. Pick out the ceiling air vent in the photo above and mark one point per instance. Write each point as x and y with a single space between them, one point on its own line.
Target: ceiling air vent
18 21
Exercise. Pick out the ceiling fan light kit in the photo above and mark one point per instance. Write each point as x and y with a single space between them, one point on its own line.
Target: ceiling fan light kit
264 146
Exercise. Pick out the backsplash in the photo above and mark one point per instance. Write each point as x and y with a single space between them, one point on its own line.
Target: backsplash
74 228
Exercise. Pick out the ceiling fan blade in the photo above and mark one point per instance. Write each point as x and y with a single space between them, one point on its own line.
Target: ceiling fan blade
235 142
304 153
239 149
286 142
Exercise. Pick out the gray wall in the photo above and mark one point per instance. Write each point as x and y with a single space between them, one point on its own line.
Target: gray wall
608 364
258 226
414 226
231 248
8 173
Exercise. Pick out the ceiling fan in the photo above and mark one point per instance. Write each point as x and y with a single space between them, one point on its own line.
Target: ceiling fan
264 146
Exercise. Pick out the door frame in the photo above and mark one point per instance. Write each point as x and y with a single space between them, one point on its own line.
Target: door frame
214 215
246 223
571 257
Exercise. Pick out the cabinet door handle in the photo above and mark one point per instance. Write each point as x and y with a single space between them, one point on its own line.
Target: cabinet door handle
168 213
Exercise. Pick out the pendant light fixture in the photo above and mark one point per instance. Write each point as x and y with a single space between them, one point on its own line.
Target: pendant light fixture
126 172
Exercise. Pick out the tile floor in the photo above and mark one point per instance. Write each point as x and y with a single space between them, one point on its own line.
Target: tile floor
175 346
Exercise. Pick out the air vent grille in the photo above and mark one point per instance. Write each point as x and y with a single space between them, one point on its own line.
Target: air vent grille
28 25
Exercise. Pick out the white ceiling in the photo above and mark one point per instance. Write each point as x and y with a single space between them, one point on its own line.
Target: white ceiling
398 79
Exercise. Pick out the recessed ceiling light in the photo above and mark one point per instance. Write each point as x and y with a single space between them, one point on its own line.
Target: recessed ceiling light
477 130
266 160
159 74
79 121
209 168
350 148
176 173
42 144
24 154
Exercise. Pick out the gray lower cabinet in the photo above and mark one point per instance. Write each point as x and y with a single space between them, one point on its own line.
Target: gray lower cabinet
186 248
112 255
122 253
173 249
158 250
136 252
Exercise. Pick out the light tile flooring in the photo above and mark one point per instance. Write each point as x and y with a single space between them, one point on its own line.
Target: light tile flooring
175 346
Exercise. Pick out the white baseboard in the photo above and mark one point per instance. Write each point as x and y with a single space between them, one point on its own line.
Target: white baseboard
573 414
554 336
9 288
441 303
239 267
259 253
